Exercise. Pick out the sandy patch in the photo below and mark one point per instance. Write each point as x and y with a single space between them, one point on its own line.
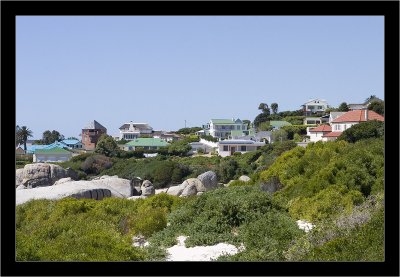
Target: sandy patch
180 252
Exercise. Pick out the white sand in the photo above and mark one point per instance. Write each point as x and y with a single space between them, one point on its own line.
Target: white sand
180 252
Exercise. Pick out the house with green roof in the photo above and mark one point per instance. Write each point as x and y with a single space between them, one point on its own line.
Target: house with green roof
224 128
146 144
56 154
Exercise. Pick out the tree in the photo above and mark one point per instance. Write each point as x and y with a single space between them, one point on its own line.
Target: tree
279 135
107 146
50 137
363 130
262 117
18 139
370 98
179 148
343 107
274 107
377 106
247 122
23 134
264 108
265 126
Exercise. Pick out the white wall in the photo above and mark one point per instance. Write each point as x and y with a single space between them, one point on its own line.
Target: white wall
209 143
316 136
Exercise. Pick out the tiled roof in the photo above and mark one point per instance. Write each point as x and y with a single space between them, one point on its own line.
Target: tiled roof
95 125
239 141
141 142
332 134
56 150
322 128
358 116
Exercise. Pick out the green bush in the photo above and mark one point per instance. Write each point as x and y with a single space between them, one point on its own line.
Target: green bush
96 164
363 130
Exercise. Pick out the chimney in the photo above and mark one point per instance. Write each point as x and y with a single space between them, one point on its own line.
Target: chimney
366 114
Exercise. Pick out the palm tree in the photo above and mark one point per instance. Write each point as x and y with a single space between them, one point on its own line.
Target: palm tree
274 107
370 98
17 135
23 134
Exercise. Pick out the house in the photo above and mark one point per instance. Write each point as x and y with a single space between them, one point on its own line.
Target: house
91 134
198 145
31 149
222 128
56 154
132 130
276 125
316 134
169 137
353 107
19 150
349 119
314 106
73 143
228 147
258 137
146 144
334 115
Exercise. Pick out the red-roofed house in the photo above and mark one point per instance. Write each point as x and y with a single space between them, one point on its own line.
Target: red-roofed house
317 133
349 119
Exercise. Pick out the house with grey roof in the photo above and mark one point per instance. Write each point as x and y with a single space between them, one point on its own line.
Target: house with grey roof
132 130
230 146
91 134
314 106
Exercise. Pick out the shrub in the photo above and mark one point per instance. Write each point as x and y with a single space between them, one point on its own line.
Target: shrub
363 130
95 164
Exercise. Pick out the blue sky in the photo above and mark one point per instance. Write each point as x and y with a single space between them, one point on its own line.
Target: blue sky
165 70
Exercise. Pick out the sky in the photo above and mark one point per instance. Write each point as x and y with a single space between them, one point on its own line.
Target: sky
169 71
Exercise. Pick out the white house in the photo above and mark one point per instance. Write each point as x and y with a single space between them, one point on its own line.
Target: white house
334 115
228 147
314 106
131 130
317 133
222 128
56 154
312 120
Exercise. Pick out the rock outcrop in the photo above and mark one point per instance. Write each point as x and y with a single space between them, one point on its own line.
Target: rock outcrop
189 190
95 189
244 178
147 188
208 181
41 174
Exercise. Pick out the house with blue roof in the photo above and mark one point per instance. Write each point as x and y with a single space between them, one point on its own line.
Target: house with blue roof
73 143
32 149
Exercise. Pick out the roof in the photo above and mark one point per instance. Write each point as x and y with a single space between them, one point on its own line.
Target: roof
239 141
56 150
226 121
279 123
94 125
336 114
139 126
332 134
147 142
316 100
358 116
70 141
322 128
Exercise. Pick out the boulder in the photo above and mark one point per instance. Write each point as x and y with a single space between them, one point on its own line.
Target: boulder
62 180
192 181
175 190
200 193
20 187
161 190
137 197
189 190
122 186
41 174
147 188
77 189
244 178
19 176
208 181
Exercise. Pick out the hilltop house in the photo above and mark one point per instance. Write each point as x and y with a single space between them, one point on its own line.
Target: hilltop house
230 146
146 144
317 133
222 128
56 154
132 130
91 134
314 106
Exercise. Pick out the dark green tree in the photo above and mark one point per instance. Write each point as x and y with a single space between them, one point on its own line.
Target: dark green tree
247 122
50 137
279 135
179 148
23 134
343 107
107 146
18 139
262 117
274 108
370 98
377 106
264 108
364 130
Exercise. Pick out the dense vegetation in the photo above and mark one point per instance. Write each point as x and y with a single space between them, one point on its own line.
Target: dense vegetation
338 186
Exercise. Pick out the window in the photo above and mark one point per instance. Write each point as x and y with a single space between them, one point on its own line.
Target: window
319 107
225 147
243 127
238 127
337 127
243 148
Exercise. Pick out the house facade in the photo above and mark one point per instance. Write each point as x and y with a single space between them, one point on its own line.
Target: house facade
222 128
146 144
314 106
131 130
228 147
312 120
317 133
91 134
56 154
